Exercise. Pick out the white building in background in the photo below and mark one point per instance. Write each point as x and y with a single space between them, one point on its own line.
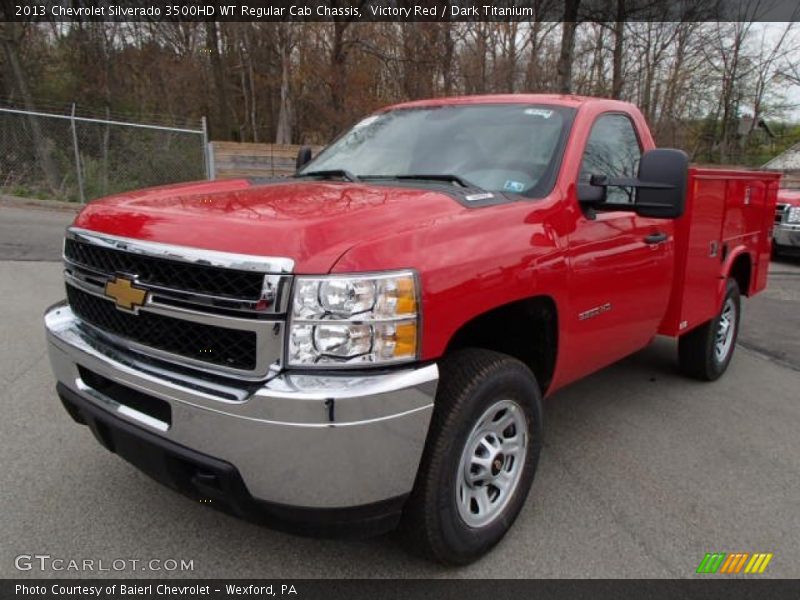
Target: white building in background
787 161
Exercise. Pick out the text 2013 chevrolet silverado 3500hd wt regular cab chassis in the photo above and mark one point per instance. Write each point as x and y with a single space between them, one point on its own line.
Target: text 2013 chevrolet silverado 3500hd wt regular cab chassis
371 340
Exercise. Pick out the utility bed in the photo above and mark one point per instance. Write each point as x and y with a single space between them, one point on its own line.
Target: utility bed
725 208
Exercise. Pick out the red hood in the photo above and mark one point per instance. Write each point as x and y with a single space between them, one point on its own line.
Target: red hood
789 197
313 223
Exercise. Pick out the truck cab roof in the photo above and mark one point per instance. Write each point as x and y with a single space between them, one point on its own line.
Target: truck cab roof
567 100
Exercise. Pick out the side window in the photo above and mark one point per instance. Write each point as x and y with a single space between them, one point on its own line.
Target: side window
612 150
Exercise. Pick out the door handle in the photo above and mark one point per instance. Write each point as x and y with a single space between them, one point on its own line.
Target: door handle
656 238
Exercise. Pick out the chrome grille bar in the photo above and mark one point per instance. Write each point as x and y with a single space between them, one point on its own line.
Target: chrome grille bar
272 287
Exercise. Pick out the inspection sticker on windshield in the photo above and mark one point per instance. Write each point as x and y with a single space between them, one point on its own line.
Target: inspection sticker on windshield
476 197
539 112
513 186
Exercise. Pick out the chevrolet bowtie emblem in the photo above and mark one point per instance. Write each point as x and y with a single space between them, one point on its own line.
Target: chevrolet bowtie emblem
125 295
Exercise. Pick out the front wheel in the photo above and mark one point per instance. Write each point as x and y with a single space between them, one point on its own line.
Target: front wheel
480 457
705 353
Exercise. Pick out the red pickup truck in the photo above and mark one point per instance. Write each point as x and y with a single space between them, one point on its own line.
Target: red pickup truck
369 342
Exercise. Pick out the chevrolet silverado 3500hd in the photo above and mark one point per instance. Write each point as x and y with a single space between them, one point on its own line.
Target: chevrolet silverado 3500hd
368 343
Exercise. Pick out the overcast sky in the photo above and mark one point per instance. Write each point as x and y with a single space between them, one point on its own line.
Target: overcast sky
772 32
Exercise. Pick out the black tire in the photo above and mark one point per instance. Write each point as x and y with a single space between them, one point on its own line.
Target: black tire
471 382
697 355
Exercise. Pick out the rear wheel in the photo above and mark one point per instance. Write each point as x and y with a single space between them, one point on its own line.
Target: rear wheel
705 353
480 457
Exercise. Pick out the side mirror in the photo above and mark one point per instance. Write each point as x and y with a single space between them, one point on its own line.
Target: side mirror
670 169
660 186
303 157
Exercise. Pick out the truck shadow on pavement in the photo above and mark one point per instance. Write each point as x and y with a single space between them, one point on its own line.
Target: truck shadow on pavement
221 545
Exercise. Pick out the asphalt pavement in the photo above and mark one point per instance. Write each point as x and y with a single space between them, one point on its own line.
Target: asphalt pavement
642 472
30 231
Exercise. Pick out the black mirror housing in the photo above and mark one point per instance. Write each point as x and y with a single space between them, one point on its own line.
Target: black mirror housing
591 194
660 186
670 169
303 157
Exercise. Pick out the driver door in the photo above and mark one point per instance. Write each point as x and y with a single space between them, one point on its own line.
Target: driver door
620 265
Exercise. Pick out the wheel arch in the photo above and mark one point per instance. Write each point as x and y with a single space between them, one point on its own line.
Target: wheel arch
526 329
739 266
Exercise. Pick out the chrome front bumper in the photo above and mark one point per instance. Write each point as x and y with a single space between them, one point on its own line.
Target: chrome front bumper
312 441
787 235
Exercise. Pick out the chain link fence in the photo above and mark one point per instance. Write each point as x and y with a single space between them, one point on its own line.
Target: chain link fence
79 159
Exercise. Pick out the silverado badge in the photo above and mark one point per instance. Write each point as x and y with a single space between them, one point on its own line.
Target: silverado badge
125 295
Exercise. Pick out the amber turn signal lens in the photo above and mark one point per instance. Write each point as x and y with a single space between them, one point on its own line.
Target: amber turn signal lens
406 297
405 340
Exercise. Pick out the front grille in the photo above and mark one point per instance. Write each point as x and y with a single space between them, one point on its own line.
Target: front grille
232 283
779 210
230 348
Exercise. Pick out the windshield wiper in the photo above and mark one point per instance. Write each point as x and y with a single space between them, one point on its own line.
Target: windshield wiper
343 173
427 176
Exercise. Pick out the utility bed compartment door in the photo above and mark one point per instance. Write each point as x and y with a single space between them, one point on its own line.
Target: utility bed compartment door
698 256
748 222
704 260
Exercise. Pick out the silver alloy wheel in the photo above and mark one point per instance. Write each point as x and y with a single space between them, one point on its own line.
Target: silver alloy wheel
491 463
725 330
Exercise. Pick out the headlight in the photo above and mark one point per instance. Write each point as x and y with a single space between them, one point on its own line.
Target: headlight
793 216
354 320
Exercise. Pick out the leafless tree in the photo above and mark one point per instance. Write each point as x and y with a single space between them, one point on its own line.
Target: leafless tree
11 34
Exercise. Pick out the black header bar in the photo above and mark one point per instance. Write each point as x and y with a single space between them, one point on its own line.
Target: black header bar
396 10
388 589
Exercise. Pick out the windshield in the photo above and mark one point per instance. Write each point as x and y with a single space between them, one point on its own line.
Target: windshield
497 147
